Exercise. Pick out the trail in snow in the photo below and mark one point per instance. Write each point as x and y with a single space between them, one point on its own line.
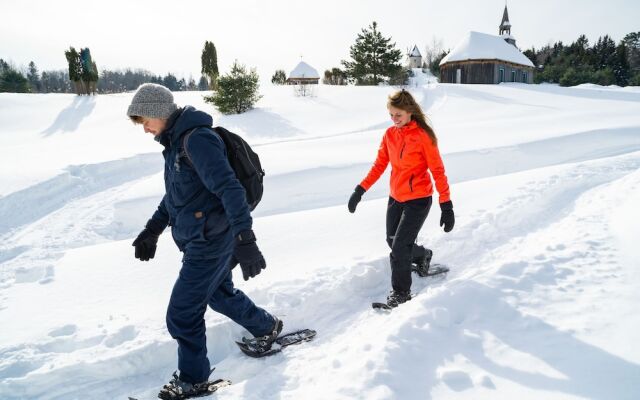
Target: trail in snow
478 313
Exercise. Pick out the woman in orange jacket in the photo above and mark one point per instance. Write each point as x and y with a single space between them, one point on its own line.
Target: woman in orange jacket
411 146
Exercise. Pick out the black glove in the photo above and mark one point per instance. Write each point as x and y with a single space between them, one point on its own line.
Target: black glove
248 255
355 198
146 241
447 218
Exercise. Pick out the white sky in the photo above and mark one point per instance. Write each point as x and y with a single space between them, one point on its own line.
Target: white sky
168 36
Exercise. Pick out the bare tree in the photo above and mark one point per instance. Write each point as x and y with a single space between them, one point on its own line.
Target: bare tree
433 50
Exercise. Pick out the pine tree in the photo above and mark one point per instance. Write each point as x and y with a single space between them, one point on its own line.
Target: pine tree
279 77
203 84
34 77
171 82
12 81
237 91
374 58
632 41
75 69
620 65
210 63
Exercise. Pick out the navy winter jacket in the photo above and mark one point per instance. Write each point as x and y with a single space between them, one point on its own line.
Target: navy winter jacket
204 203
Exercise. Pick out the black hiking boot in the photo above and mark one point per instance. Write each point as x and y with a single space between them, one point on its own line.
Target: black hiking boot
178 389
395 298
420 263
260 344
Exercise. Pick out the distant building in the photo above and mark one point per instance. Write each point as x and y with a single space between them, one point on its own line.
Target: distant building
484 58
303 74
415 58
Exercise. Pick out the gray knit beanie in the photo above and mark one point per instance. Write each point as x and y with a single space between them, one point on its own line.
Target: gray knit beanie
152 101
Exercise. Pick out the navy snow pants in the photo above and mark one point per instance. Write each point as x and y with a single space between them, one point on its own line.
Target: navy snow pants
202 283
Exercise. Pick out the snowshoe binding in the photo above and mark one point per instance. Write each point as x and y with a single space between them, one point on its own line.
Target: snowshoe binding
394 299
178 389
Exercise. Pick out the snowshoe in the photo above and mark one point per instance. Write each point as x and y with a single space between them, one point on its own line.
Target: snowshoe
272 344
262 344
178 389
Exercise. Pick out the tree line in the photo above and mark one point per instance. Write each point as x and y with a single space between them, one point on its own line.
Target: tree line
82 76
14 80
603 63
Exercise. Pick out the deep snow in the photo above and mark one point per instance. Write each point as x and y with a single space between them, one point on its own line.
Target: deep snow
540 302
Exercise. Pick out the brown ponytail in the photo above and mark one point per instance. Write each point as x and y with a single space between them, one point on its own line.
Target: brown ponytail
403 100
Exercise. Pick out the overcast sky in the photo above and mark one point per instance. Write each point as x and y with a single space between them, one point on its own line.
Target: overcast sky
162 36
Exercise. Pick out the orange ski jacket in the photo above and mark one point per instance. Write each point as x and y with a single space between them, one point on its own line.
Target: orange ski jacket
411 153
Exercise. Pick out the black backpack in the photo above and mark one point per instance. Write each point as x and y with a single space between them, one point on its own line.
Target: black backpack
244 162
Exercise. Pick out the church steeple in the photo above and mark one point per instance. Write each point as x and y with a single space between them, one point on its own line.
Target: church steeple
505 27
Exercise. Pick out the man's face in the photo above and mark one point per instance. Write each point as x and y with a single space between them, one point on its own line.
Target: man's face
155 126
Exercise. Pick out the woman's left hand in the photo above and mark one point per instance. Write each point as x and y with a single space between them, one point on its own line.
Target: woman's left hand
447 218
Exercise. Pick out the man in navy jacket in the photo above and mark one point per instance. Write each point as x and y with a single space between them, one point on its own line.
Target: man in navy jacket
205 205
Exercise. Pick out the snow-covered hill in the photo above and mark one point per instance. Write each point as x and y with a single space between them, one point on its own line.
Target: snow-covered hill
540 301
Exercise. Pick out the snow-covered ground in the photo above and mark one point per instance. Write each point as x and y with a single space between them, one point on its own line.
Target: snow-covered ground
540 302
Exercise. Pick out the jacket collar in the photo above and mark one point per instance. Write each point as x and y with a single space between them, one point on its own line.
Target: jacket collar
411 125
181 121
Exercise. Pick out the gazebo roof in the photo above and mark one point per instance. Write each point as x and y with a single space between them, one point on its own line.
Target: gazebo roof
304 70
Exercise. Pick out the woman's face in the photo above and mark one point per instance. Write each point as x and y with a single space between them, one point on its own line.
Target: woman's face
399 117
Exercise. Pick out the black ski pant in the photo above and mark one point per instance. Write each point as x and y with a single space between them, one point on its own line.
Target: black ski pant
404 221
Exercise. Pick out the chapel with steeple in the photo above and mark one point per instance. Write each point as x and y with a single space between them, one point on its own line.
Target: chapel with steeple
484 58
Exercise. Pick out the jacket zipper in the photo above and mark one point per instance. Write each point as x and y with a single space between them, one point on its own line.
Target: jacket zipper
411 183
402 150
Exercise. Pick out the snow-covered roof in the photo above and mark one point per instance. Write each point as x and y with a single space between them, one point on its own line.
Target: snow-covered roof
415 52
482 46
304 70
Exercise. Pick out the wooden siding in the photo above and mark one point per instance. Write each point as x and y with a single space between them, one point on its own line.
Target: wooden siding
302 81
484 71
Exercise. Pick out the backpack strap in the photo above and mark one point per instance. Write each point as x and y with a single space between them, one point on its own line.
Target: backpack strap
184 153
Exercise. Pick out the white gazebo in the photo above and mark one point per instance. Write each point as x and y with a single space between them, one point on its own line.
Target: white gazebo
302 76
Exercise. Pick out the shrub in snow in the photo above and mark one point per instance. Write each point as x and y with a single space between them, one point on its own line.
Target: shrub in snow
237 90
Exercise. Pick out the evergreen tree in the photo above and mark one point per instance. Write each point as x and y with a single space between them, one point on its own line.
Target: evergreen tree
210 63
632 41
171 82
89 71
373 58
620 65
335 76
203 84
34 77
604 52
434 67
12 81
279 77
182 85
237 91
531 55
75 69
